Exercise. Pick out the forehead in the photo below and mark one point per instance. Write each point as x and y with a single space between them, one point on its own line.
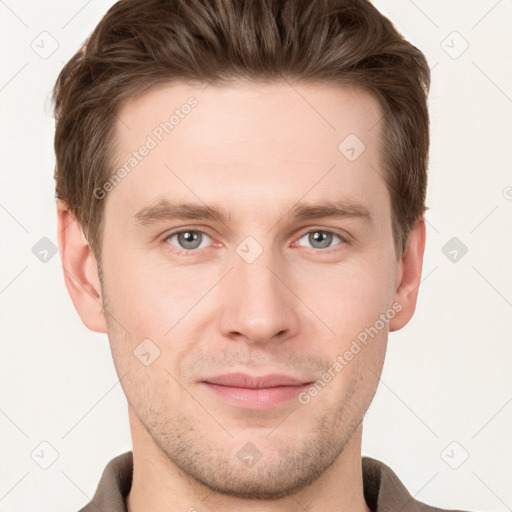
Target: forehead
249 141
260 109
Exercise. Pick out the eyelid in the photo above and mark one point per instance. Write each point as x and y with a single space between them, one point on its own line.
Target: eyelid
333 231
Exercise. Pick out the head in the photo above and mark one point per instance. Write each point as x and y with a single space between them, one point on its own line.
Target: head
202 150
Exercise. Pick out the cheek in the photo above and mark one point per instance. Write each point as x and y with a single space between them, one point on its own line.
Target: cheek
161 304
349 296
150 297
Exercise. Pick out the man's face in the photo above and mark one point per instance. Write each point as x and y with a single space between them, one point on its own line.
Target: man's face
260 292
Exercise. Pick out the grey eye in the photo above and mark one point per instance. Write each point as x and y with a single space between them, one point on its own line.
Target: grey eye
320 239
188 240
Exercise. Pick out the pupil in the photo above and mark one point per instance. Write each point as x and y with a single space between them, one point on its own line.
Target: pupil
189 237
321 237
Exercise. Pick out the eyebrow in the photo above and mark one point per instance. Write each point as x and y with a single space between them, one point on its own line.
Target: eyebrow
166 210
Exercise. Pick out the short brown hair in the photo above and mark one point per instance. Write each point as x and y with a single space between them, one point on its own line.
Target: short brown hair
140 44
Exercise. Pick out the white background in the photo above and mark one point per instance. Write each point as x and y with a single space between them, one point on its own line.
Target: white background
447 375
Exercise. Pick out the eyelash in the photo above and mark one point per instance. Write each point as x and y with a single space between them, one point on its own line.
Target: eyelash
185 252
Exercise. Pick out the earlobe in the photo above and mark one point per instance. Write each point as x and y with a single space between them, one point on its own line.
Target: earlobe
80 270
409 276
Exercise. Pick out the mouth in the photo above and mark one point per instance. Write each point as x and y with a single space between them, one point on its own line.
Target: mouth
255 392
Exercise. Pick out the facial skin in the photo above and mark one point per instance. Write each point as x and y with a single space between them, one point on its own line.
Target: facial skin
255 150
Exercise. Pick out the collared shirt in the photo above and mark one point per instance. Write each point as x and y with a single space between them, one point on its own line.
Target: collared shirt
383 491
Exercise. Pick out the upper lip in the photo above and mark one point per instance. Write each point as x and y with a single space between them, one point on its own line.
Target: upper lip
243 380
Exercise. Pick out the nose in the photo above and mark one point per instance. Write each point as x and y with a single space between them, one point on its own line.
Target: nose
257 303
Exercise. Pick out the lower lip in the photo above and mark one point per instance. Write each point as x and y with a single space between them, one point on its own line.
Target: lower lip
260 398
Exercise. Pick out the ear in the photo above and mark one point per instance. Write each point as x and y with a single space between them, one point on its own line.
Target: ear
80 270
409 276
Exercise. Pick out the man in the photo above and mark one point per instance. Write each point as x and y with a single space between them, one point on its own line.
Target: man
241 190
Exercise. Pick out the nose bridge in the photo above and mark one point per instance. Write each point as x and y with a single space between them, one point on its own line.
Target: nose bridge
256 304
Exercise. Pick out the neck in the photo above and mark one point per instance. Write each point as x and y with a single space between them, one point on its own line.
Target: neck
159 485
